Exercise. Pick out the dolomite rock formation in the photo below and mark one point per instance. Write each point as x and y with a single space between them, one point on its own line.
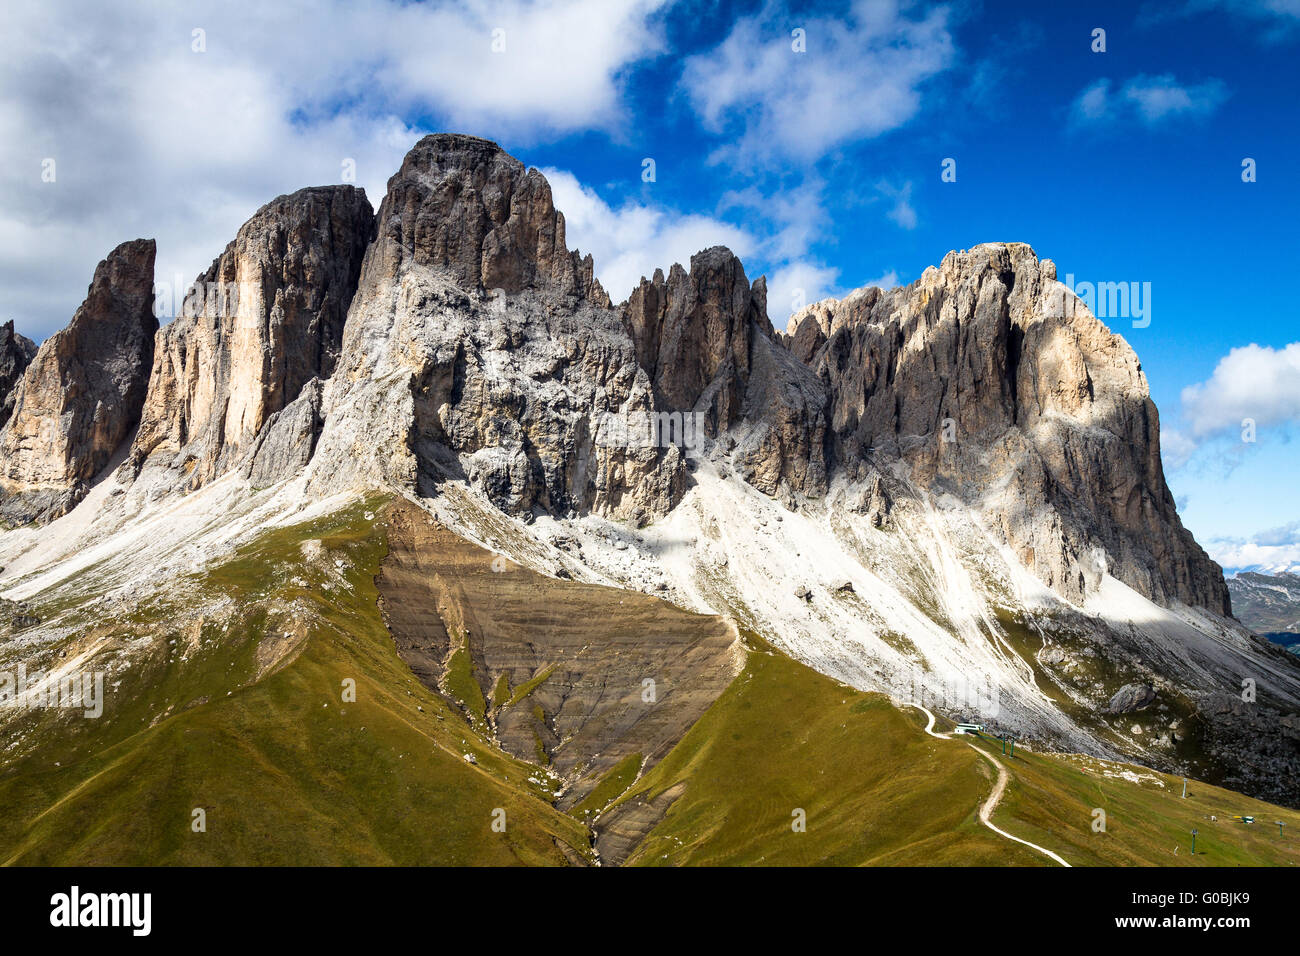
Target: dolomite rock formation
479 347
993 383
16 353
704 339
81 395
464 207
265 320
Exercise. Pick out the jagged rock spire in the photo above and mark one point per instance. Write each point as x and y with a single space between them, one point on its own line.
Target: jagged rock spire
81 395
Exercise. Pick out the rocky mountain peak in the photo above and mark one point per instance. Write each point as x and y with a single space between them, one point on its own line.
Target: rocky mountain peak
463 204
696 324
16 353
991 381
704 339
81 395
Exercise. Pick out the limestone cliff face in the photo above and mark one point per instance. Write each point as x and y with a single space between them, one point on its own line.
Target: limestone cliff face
992 382
704 339
81 395
16 353
265 320
463 206
478 347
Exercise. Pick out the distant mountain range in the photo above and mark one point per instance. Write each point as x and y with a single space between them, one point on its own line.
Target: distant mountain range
1269 604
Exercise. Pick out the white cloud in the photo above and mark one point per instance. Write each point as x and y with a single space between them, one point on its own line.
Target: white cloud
887 281
631 241
560 69
1094 101
1147 99
902 211
796 216
1158 97
1287 534
153 139
860 76
1235 555
1252 382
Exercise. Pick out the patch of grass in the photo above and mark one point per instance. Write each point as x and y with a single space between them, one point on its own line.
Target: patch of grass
1053 799
501 693
530 685
611 786
783 738
460 683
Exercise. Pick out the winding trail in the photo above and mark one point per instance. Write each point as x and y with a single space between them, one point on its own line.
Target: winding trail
929 727
991 804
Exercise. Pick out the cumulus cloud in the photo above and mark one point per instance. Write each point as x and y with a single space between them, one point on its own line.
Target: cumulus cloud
1251 382
1239 555
1150 100
158 130
860 76
632 240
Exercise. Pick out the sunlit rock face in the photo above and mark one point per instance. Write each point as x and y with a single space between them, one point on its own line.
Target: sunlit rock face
989 380
263 321
81 395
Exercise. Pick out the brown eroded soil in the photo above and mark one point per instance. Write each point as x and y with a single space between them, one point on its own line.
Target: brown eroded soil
561 667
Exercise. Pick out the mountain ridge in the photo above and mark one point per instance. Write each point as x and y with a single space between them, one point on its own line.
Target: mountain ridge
950 492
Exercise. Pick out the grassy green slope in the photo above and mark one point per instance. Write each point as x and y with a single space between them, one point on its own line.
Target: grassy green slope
877 790
286 772
1052 799
783 737
243 716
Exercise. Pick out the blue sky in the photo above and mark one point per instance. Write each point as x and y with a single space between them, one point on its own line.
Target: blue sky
821 167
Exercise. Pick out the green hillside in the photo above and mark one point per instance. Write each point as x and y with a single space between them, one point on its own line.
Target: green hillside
286 772
231 700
